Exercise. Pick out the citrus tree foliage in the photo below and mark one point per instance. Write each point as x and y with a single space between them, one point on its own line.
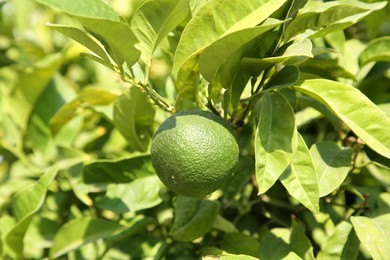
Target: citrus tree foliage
84 85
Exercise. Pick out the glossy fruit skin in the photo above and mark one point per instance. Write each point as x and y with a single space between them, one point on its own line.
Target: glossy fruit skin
194 152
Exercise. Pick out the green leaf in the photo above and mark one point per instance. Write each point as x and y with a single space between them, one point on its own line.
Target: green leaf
133 117
215 19
332 163
306 115
300 178
153 21
275 139
329 16
299 242
294 53
142 193
376 50
89 8
78 232
117 171
287 76
374 234
274 245
105 25
216 53
88 97
384 201
25 205
238 243
27 90
81 37
224 225
97 59
283 243
237 257
325 68
342 244
193 218
231 75
363 117
38 134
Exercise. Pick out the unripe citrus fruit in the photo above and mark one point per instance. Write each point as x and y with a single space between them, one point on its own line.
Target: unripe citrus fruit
194 152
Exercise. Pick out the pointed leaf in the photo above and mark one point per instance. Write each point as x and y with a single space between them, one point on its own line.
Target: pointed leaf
133 117
78 232
26 204
297 52
275 244
28 88
90 8
287 76
342 244
332 163
300 178
325 68
299 242
317 15
88 97
193 218
117 171
117 37
105 25
153 21
213 20
275 140
216 53
239 243
374 234
376 50
81 37
142 193
368 121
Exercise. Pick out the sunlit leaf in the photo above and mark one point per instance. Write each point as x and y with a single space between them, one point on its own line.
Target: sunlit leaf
215 19
78 232
88 97
294 53
276 239
299 242
305 116
105 25
332 164
118 170
216 53
342 244
153 21
376 50
193 218
30 85
89 8
81 37
133 117
300 178
142 193
26 204
329 16
373 233
275 140
363 117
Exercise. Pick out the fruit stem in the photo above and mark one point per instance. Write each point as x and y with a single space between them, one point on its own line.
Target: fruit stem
210 106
